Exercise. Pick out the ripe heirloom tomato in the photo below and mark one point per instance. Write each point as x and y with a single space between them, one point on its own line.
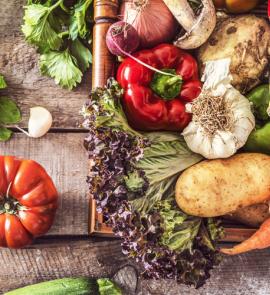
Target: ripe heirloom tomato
28 201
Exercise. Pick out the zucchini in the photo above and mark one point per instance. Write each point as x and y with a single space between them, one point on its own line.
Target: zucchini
66 286
107 287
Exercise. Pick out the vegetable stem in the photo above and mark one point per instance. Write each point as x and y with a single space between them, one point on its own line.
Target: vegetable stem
22 130
62 5
143 63
59 2
63 34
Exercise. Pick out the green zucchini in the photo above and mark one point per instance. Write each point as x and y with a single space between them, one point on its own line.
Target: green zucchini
66 286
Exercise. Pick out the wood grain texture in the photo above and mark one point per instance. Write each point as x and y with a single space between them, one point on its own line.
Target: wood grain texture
19 64
64 158
60 258
105 13
247 274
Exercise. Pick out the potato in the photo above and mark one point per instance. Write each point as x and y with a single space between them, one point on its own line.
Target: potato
253 215
245 39
218 187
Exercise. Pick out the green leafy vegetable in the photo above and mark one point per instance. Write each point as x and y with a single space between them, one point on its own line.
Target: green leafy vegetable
180 229
162 162
132 179
61 66
37 27
78 24
5 133
9 113
82 54
3 83
109 109
62 33
107 287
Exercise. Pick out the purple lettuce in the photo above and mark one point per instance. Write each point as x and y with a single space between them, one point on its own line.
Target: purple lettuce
132 177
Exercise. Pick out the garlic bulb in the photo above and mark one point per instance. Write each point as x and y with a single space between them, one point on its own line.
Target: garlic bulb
222 117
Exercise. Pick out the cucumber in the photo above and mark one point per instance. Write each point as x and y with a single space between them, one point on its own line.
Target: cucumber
66 286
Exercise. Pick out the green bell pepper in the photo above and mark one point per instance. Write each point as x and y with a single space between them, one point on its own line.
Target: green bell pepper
259 140
260 98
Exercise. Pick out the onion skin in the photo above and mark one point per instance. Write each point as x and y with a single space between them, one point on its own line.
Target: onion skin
127 38
154 23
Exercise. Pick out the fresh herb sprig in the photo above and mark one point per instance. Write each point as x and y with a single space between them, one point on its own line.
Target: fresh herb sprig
9 113
62 33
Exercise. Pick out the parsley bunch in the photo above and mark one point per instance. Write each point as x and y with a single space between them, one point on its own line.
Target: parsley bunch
62 33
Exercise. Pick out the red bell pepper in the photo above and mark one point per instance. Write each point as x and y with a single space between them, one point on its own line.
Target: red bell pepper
153 101
269 9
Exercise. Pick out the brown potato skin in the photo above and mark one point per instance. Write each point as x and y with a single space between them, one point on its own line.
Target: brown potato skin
253 215
217 187
245 39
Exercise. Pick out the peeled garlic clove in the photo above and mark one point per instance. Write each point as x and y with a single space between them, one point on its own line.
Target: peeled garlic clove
40 122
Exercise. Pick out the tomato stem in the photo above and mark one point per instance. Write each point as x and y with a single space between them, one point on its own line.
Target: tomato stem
10 205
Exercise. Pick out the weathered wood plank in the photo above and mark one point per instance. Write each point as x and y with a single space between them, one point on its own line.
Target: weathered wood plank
58 259
19 64
247 274
64 158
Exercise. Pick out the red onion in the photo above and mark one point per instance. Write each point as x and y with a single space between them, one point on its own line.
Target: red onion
124 36
152 20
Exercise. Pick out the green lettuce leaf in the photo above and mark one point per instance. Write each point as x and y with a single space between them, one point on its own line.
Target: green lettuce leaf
37 28
3 83
61 66
180 229
162 162
107 109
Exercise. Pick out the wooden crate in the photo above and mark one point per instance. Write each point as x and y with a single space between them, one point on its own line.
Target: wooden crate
105 13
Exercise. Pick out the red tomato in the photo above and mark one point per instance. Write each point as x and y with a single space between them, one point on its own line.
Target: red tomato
28 201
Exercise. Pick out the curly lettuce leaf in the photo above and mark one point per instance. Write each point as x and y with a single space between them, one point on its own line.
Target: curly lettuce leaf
61 66
168 243
180 230
105 109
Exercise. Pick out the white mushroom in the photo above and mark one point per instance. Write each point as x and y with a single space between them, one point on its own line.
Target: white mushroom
198 28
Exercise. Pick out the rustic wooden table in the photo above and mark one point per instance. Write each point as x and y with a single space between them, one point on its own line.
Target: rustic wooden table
67 250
